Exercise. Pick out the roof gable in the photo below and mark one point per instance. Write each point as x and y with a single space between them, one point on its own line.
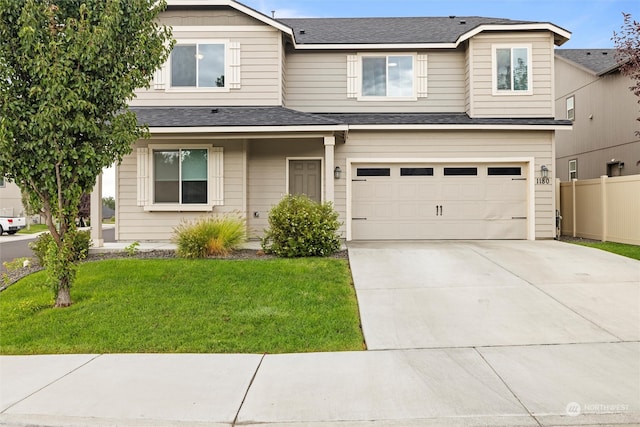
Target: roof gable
402 30
341 33
596 61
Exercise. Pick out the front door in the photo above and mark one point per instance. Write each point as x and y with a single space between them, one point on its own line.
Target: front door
305 178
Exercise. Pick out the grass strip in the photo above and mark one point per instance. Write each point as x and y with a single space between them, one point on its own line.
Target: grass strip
630 251
34 228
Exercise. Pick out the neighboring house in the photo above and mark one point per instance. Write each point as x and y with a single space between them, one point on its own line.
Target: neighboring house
10 199
415 128
591 92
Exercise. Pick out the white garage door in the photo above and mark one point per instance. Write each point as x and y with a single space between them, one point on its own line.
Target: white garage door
432 201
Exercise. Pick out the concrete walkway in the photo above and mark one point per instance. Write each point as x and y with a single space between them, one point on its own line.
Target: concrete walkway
459 334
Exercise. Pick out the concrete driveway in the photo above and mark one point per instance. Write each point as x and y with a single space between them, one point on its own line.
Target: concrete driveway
558 324
490 293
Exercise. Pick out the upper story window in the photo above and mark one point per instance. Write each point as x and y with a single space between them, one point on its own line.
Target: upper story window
571 112
380 77
573 169
388 76
512 70
201 65
198 65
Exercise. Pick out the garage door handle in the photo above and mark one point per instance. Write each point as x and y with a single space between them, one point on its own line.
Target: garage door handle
438 210
358 219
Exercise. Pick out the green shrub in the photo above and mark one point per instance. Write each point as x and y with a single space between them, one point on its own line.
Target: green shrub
209 236
81 244
301 227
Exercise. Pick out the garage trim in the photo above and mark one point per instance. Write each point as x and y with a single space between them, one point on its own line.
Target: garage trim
528 161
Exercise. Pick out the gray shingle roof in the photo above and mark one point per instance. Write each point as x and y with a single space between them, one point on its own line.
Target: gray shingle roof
434 119
597 60
387 30
279 116
226 116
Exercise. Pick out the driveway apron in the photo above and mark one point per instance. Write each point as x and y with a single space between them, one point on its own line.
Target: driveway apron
559 324
488 293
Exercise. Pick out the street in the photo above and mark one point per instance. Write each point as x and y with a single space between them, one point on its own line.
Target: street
17 246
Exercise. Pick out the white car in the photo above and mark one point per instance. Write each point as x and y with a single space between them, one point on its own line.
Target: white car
12 225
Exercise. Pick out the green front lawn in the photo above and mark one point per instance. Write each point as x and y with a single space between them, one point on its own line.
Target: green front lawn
34 228
187 306
631 251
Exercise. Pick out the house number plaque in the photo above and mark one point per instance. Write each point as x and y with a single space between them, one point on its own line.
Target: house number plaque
544 180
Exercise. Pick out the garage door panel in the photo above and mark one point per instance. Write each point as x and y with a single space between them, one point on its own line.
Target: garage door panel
509 190
462 191
416 211
506 229
435 205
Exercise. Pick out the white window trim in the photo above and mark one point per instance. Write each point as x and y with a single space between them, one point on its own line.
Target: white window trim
571 116
215 179
574 169
494 74
413 97
227 67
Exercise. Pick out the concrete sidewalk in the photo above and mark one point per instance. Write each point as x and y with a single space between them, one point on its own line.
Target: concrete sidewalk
503 334
585 384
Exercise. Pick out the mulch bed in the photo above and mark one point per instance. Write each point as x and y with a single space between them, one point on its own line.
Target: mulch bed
10 277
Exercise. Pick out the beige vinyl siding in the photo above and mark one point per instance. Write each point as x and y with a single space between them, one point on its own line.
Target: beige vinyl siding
604 126
134 224
283 70
456 144
267 174
485 103
568 79
468 84
317 82
224 17
260 71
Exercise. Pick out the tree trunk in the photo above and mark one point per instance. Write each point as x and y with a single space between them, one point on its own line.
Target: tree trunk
63 299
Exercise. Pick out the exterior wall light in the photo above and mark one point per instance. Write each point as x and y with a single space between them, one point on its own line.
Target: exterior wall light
544 171
337 172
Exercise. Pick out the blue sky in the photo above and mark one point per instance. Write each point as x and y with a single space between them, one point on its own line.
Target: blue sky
591 22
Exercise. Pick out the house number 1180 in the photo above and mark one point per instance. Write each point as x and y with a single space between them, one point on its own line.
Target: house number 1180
543 180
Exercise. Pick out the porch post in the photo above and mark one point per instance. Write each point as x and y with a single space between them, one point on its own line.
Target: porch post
329 151
96 214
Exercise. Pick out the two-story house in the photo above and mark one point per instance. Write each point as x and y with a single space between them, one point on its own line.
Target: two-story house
415 128
591 92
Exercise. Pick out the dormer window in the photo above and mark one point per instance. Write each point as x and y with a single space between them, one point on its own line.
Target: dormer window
199 65
512 70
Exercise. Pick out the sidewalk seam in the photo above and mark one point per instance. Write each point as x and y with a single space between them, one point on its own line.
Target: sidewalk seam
235 420
508 388
51 383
